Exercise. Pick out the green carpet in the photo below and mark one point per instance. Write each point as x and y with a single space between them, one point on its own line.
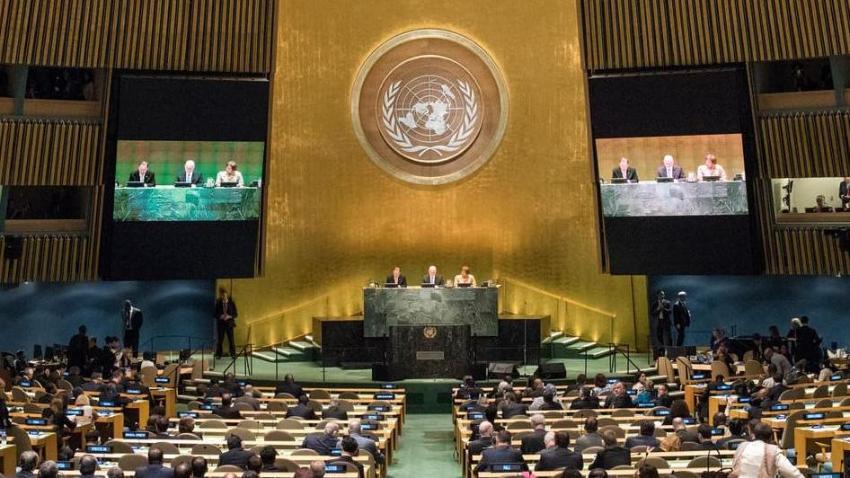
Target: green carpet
426 450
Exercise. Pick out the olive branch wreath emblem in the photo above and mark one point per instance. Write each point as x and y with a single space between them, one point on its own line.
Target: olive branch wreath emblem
457 140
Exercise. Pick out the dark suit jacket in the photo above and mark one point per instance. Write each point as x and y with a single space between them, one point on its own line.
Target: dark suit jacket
25 474
229 412
513 410
557 457
438 279
402 281
155 471
302 411
623 401
334 412
533 442
641 440
255 404
475 447
197 178
681 315
661 172
78 351
498 455
589 404
320 442
150 177
236 456
348 459
293 389
611 457
631 174
231 311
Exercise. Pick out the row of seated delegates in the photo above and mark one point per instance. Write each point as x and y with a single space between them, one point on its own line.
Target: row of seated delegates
229 176
432 278
669 169
752 441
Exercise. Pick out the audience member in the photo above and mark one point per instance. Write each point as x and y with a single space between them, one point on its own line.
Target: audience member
705 438
678 409
762 458
255 463
48 469
618 397
302 409
28 463
586 400
154 469
647 471
662 396
645 438
199 467
317 468
557 454
512 407
783 366
235 454
182 471
485 439
737 431
500 453
289 386
334 411
268 455
349 451
363 442
322 443
613 454
590 437
534 441
116 472
227 410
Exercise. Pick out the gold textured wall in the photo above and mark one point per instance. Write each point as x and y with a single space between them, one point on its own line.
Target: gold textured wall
335 220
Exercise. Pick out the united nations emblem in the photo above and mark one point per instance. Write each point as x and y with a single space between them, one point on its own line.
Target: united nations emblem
429 106
429 332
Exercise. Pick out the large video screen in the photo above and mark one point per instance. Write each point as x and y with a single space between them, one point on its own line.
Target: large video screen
671 154
152 183
187 157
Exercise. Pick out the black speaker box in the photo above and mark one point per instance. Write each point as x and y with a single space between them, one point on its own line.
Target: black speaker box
551 370
13 247
686 351
381 373
479 371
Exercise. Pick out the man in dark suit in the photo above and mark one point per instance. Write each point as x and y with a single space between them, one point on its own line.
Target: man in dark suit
27 461
334 411
844 193
662 312
225 315
613 454
500 453
349 451
395 277
88 465
557 455
681 317
235 454
618 397
705 438
289 386
511 406
155 468
143 175
78 349
646 437
227 410
323 443
484 441
364 442
302 410
132 320
433 278
251 397
669 169
189 174
534 441
624 171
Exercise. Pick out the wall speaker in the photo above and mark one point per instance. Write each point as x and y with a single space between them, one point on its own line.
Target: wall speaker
501 369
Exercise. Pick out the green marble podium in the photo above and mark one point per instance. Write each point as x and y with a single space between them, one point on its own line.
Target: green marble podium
650 198
168 203
477 307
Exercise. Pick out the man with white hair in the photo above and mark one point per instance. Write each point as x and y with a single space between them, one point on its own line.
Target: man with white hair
556 455
533 442
325 442
618 397
485 440
432 278
363 443
669 169
189 174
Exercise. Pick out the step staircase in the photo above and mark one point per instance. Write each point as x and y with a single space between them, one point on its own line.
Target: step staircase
304 349
561 345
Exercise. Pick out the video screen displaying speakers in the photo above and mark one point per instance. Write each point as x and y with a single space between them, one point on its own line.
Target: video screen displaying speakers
671 154
188 157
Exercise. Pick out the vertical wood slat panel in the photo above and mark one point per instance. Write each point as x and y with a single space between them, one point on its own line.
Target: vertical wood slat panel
47 153
625 34
806 144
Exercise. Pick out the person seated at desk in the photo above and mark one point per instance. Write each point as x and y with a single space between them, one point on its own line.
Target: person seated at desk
325 442
711 169
484 440
334 411
227 410
433 278
820 205
613 454
396 278
511 406
591 435
844 193
302 410
534 442
189 175
465 277
230 175
364 442
624 171
289 386
669 169
557 455
143 175
500 453
618 397
349 451
645 438
235 454
585 401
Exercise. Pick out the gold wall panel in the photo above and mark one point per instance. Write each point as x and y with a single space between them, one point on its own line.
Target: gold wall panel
801 145
334 220
35 152
650 33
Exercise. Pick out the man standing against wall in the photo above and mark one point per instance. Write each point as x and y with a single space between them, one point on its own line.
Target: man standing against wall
681 317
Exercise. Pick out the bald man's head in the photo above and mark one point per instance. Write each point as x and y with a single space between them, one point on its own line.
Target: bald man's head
485 429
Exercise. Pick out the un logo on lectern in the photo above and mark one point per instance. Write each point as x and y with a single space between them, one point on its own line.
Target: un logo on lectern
429 106
429 332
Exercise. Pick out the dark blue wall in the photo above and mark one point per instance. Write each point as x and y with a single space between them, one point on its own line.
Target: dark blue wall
748 304
39 313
